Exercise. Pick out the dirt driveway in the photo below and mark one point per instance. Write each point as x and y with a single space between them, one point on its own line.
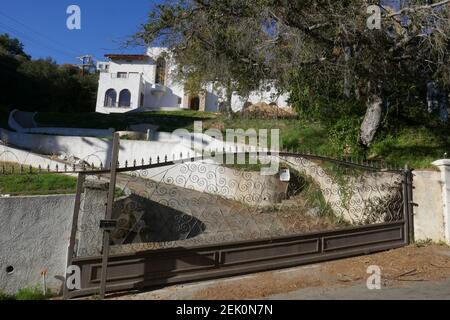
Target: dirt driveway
413 267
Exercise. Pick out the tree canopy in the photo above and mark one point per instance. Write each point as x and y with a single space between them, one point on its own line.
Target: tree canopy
42 85
325 46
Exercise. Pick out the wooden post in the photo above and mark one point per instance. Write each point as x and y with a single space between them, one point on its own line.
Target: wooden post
109 209
73 231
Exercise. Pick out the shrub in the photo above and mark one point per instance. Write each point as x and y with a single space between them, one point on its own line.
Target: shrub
343 137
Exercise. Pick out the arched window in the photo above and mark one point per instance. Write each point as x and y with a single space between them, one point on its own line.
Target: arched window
110 98
160 71
125 98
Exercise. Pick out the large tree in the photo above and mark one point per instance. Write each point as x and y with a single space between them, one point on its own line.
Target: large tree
244 42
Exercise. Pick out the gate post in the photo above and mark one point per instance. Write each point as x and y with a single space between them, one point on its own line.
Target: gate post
109 209
76 211
408 204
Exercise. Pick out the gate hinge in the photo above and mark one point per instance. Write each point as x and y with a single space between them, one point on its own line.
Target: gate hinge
413 203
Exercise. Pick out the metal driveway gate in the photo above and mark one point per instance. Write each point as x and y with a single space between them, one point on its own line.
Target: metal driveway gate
175 221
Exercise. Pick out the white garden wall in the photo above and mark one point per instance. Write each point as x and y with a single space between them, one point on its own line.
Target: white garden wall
93 150
34 233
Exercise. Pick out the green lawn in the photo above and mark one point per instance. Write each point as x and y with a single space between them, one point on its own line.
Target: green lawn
166 120
416 146
34 184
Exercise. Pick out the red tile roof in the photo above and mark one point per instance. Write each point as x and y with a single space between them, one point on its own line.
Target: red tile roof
127 56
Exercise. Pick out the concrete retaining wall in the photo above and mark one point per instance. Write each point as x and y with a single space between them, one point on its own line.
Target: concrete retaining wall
93 150
13 123
34 233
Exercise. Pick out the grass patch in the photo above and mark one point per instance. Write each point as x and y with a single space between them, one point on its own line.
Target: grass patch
33 183
417 146
166 120
26 294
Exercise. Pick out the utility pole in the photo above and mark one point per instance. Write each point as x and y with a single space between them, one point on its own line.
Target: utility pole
86 63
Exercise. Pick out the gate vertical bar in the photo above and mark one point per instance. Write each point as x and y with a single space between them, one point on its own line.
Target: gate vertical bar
109 209
76 211
405 195
410 188
408 210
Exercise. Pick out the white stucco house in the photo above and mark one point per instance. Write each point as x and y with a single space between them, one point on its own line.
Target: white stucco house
145 82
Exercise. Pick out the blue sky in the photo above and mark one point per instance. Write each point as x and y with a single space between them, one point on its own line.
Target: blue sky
105 24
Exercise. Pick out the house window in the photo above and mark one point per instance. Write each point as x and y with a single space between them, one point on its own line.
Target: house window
160 71
121 75
110 98
125 98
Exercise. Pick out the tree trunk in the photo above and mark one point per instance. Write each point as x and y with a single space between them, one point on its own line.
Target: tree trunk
228 109
347 74
372 119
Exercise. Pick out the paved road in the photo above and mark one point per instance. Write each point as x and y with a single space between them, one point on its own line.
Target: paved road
435 290
411 273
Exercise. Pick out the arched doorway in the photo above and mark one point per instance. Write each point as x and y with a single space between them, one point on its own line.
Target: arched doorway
194 103
110 98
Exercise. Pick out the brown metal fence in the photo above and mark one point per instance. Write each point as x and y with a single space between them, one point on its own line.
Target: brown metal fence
182 218
191 220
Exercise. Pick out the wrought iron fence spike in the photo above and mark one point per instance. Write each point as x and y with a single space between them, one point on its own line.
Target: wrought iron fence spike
157 159
134 163
48 168
57 168
39 168
165 158
142 162
65 167
21 168
150 161
31 169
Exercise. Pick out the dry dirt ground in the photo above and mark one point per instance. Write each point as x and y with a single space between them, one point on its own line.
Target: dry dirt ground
403 267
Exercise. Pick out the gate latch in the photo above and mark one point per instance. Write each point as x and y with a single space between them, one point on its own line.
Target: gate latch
108 225
413 204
